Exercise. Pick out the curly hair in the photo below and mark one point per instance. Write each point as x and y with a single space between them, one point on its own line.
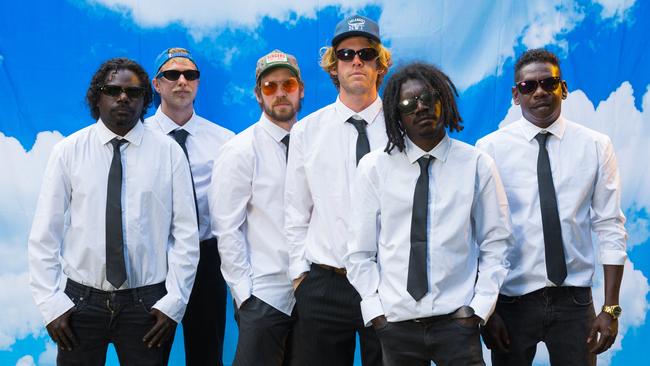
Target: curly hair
328 62
433 78
99 79
536 55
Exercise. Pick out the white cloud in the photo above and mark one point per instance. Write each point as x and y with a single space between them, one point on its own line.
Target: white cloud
26 361
469 40
19 188
202 17
617 9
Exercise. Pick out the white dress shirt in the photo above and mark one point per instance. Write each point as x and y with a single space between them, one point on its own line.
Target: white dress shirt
468 232
585 176
247 205
160 238
321 167
203 143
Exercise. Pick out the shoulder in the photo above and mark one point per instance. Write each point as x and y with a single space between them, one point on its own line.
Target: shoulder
577 130
315 119
214 128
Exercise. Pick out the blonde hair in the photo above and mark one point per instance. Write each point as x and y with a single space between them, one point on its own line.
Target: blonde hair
328 62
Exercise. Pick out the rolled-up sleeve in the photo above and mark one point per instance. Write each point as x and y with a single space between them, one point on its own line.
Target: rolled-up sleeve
607 218
361 257
298 205
183 249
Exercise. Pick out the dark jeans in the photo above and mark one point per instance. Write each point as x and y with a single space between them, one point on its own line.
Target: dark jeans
440 339
264 334
329 316
119 317
561 317
204 322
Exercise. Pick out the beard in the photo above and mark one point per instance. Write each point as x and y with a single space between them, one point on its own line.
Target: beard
282 116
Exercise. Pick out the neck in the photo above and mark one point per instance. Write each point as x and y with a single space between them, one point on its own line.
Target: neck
358 102
179 116
427 144
286 125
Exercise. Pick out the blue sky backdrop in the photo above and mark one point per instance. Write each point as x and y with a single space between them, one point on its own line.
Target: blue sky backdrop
50 49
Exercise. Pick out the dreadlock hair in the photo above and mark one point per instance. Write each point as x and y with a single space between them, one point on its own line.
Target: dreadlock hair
112 66
433 78
536 55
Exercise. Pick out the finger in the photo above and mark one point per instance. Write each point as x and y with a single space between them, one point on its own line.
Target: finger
157 338
600 345
67 330
151 333
65 343
593 335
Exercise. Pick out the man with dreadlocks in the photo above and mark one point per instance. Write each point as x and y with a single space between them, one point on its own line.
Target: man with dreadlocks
431 228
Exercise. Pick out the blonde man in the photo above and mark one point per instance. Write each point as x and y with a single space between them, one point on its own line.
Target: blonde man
325 149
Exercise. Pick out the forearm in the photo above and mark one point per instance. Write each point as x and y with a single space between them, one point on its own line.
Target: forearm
613 278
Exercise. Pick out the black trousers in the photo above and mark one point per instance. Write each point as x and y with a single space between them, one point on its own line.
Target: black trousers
119 317
440 339
561 317
329 317
264 334
205 317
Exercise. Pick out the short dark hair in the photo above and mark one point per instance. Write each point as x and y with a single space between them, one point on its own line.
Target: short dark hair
113 65
536 55
433 78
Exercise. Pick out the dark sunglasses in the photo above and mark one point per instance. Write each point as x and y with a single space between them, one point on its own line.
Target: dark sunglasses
173 75
133 92
365 54
529 86
409 105
270 87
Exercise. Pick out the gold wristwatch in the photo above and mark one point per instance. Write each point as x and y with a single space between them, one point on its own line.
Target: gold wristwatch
613 310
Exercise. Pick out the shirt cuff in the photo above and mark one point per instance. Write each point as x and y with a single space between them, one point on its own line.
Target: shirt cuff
483 307
613 257
171 306
241 291
298 268
371 308
56 306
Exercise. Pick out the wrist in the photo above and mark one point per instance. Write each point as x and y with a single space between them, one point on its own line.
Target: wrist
614 311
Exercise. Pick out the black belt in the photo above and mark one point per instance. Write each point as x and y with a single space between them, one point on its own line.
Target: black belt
339 271
125 294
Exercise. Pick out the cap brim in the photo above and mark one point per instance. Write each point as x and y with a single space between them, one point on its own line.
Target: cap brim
293 70
336 40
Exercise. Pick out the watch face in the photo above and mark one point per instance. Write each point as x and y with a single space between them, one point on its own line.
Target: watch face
617 311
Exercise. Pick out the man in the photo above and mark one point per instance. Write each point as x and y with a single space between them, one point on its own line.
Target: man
177 82
562 182
431 228
113 217
325 149
248 215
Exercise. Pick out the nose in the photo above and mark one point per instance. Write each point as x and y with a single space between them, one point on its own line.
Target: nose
357 60
421 106
123 97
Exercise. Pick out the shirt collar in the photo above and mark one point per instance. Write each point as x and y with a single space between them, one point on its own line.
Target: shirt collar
529 130
369 114
276 132
133 137
167 125
440 151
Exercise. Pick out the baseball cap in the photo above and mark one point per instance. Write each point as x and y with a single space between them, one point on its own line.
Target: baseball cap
275 59
356 25
170 53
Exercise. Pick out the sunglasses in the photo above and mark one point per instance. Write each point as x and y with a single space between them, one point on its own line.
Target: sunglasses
529 86
133 92
270 87
409 105
173 75
365 54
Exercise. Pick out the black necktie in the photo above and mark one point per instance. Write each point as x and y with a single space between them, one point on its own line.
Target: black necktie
363 146
555 262
417 283
180 136
115 266
285 141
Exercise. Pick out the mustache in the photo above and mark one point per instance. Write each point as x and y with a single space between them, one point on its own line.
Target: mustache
281 100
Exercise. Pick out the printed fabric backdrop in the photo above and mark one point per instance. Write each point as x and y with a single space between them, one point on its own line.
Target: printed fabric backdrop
50 49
